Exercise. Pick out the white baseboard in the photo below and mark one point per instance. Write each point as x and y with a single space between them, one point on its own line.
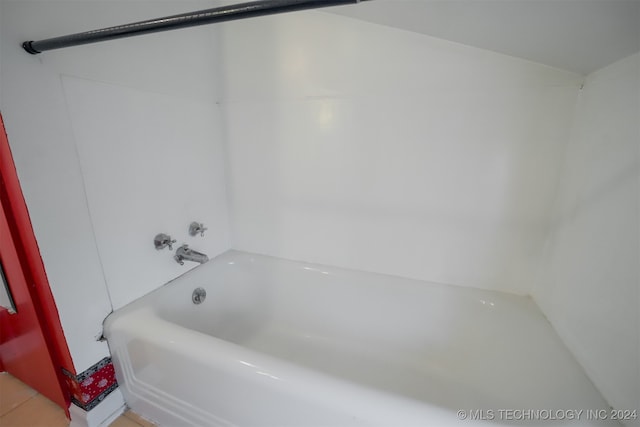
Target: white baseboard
102 415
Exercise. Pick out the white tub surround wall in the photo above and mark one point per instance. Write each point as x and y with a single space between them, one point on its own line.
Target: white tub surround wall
113 143
152 163
368 147
589 288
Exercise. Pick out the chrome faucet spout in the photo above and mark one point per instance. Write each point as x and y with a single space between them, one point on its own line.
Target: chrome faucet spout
183 253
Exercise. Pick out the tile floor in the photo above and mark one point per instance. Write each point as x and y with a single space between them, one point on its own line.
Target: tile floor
21 406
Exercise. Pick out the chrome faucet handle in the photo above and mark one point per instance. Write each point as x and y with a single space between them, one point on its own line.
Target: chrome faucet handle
162 241
197 227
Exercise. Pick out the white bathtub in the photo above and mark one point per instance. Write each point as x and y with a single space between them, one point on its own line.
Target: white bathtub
283 343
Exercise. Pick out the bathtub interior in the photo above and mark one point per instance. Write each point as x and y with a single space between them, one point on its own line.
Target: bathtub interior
449 346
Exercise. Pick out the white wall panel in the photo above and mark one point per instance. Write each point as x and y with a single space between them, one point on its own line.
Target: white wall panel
589 287
368 147
151 163
152 71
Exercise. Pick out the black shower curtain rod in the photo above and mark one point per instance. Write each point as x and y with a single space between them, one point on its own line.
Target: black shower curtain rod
184 20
